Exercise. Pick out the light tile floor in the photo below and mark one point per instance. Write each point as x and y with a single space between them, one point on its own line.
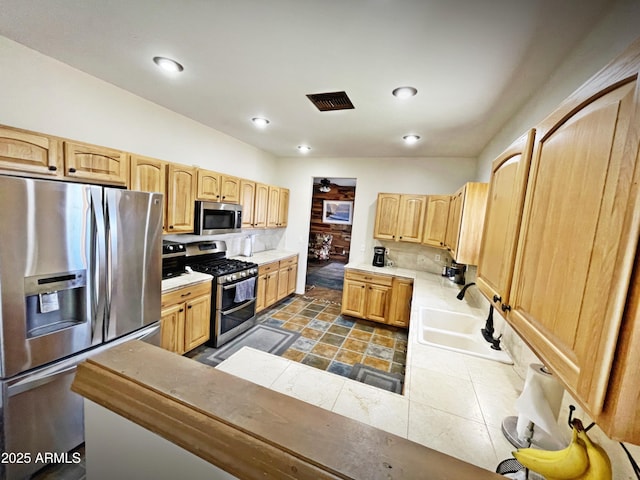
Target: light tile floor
453 403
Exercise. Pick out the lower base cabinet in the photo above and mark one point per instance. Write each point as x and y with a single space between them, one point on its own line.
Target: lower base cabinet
185 318
276 280
380 298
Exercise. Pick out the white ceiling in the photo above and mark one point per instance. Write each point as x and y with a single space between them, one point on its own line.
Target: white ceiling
474 62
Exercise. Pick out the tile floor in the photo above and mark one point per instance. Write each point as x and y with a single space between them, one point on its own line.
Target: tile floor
328 341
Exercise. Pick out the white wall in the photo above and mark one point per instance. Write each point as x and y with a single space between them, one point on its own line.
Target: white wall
42 94
609 38
373 175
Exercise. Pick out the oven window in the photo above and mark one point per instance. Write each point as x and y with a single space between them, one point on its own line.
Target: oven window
218 219
237 317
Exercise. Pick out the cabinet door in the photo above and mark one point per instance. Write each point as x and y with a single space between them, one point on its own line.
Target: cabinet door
197 322
509 175
172 328
283 281
247 200
400 309
261 290
30 152
181 187
453 222
353 298
377 302
578 239
293 277
271 288
283 207
411 221
261 205
229 189
435 222
147 174
208 185
96 164
273 209
387 211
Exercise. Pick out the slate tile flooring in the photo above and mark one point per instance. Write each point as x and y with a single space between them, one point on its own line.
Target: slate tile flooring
331 342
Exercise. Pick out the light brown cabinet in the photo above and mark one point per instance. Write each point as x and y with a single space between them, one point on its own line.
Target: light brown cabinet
217 187
29 152
276 280
147 174
254 198
400 309
574 297
185 318
435 220
366 295
278 207
509 173
181 188
465 222
93 163
399 217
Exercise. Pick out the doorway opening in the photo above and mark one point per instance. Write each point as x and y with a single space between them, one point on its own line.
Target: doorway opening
329 236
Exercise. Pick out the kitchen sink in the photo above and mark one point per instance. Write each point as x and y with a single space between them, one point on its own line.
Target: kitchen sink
458 332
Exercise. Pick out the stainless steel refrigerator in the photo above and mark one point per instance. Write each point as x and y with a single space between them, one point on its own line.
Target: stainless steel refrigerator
80 270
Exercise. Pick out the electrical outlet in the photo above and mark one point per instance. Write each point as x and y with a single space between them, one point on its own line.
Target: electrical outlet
437 258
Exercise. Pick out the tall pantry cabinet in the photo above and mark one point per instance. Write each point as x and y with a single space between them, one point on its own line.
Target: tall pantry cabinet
573 298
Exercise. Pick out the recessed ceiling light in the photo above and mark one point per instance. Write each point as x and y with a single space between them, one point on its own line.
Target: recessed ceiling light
411 138
260 122
404 92
304 148
167 64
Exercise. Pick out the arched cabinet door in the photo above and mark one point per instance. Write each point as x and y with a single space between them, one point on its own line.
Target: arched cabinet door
579 234
505 202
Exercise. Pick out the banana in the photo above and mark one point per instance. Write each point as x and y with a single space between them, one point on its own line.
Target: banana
565 464
599 463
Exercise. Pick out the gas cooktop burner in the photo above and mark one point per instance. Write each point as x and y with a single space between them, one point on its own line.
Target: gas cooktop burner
222 267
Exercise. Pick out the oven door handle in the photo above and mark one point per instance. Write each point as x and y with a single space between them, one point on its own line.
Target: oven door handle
228 287
239 307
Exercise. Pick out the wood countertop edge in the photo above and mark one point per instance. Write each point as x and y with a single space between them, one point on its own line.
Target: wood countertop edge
249 430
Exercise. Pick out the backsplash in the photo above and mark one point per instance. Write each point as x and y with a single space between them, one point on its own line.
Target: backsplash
416 257
262 240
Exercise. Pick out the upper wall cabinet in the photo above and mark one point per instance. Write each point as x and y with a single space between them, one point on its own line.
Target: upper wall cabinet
278 207
217 187
30 152
509 173
148 174
435 221
400 217
465 222
573 298
181 188
93 163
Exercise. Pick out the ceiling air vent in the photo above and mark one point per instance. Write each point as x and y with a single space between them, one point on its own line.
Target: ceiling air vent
331 101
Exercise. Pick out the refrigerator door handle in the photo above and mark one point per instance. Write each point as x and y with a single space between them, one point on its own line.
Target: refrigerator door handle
111 264
34 381
99 255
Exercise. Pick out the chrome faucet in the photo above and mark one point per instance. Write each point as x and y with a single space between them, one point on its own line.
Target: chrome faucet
460 295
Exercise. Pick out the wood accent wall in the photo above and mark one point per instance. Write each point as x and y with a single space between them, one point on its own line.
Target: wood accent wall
341 233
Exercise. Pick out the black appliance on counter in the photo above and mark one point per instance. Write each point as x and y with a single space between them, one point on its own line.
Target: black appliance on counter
378 256
233 296
174 256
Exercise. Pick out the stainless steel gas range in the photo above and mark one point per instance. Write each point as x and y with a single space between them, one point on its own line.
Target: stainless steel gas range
233 298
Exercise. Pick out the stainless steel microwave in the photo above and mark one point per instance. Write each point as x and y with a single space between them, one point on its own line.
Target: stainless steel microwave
214 217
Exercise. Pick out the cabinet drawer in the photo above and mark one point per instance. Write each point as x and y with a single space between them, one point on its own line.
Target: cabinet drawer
268 267
287 262
361 276
186 293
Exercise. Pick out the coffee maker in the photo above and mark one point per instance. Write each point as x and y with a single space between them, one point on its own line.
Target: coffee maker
378 256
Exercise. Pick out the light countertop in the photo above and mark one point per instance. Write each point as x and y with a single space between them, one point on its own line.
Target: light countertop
184 280
452 402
